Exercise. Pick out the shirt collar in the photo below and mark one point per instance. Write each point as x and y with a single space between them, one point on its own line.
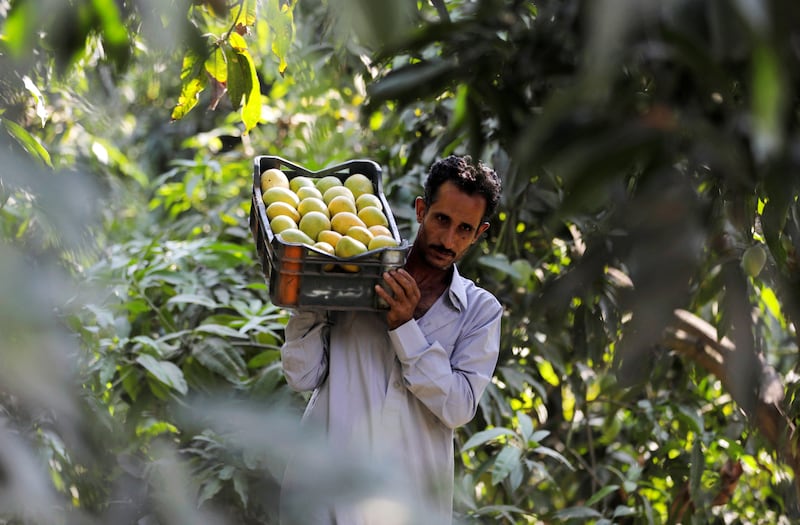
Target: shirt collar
456 292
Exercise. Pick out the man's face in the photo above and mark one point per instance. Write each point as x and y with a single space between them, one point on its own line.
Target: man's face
451 224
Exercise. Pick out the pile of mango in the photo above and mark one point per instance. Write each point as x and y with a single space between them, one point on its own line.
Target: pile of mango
337 217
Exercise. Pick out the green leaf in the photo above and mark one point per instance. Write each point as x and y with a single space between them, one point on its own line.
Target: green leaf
623 510
241 487
239 80
500 263
539 435
264 358
546 451
165 371
131 381
218 329
30 143
768 101
525 426
602 493
190 298
572 513
209 489
484 436
113 31
413 82
19 31
221 358
696 469
505 462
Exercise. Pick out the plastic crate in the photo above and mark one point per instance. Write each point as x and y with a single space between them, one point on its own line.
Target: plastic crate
302 277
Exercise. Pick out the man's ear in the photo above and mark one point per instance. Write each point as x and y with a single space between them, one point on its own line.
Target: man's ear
481 230
419 207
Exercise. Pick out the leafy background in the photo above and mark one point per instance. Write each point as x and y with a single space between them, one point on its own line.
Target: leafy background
645 250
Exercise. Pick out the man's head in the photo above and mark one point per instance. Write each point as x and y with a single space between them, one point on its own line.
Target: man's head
459 199
472 179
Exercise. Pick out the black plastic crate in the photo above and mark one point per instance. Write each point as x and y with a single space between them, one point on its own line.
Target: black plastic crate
303 277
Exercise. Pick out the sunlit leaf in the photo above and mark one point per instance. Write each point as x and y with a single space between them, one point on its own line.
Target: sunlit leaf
247 13
216 66
41 109
193 81
547 372
30 143
251 111
237 42
772 304
281 22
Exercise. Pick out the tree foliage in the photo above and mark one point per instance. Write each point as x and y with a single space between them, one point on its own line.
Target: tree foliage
645 250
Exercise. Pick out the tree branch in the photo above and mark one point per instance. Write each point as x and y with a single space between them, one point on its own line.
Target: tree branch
697 340
441 9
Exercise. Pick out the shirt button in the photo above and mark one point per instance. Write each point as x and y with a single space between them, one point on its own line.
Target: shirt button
397 385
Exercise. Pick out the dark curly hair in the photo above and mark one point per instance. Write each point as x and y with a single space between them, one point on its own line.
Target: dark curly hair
472 178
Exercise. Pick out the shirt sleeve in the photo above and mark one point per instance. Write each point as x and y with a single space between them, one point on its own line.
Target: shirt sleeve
450 385
304 352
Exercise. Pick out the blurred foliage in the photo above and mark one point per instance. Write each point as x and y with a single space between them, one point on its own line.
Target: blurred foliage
648 160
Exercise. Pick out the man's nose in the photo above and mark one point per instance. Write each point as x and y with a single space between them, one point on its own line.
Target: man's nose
449 238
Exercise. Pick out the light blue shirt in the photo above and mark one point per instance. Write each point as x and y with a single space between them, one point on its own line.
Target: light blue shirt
398 392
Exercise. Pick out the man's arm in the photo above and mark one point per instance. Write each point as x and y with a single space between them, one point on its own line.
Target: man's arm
304 352
450 385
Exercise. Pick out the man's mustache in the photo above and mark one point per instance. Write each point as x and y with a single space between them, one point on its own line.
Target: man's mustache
443 250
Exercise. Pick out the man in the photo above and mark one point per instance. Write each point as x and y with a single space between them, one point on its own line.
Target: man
399 382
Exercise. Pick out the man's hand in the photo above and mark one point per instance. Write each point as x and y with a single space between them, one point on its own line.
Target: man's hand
403 298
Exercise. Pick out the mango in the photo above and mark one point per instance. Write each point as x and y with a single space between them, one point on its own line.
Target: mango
359 184
313 222
280 194
343 221
373 216
341 203
326 182
273 177
281 208
313 204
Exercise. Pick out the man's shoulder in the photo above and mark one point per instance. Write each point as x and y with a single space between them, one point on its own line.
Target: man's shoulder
479 297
